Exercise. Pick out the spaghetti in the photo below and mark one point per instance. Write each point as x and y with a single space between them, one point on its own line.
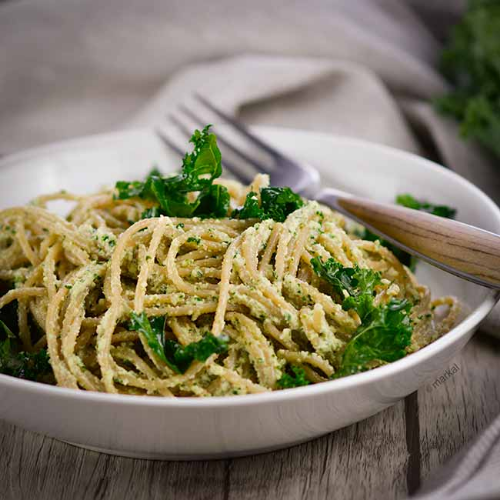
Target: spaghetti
126 298
78 279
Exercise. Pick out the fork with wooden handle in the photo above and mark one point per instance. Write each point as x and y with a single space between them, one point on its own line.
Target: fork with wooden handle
461 249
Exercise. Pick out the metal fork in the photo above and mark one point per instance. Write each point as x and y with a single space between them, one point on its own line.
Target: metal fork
460 249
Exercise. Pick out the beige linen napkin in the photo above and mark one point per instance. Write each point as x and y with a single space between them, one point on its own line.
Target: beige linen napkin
365 68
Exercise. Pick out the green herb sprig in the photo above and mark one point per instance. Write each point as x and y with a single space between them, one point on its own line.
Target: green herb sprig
275 203
179 358
385 331
296 377
383 336
409 201
170 194
471 63
18 363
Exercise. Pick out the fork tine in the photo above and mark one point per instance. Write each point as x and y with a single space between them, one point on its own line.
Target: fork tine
239 126
226 142
180 125
163 137
230 167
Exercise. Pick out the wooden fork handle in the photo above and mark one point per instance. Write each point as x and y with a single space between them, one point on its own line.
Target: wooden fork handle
461 249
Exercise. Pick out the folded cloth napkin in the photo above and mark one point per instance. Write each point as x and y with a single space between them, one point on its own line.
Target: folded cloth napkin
365 68
472 474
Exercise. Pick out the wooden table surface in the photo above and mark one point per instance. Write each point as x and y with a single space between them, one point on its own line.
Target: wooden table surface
386 456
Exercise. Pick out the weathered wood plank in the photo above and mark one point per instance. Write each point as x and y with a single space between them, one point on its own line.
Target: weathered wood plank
363 460
454 411
412 424
32 466
366 460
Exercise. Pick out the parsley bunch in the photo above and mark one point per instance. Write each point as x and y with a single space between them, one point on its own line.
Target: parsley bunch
471 64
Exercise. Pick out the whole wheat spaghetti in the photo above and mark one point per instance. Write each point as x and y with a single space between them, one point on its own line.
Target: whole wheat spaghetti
102 289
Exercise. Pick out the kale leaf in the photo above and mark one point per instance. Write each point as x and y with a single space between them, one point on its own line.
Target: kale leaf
151 212
20 364
250 209
192 192
408 201
278 203
275 203
470 63
296 378
383 336
385 331
153 331
125 190
171 194
183 356
355 280
213 202
173 354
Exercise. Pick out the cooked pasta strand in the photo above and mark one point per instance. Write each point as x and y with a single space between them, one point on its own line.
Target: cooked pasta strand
78 281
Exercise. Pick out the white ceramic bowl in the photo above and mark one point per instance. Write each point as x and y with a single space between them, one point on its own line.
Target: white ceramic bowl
158 428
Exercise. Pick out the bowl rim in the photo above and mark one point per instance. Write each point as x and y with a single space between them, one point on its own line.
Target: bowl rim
271 397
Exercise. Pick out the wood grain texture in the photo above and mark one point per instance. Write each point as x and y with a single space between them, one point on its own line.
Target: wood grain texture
367 460
382 457
34 467
454 246
455 411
